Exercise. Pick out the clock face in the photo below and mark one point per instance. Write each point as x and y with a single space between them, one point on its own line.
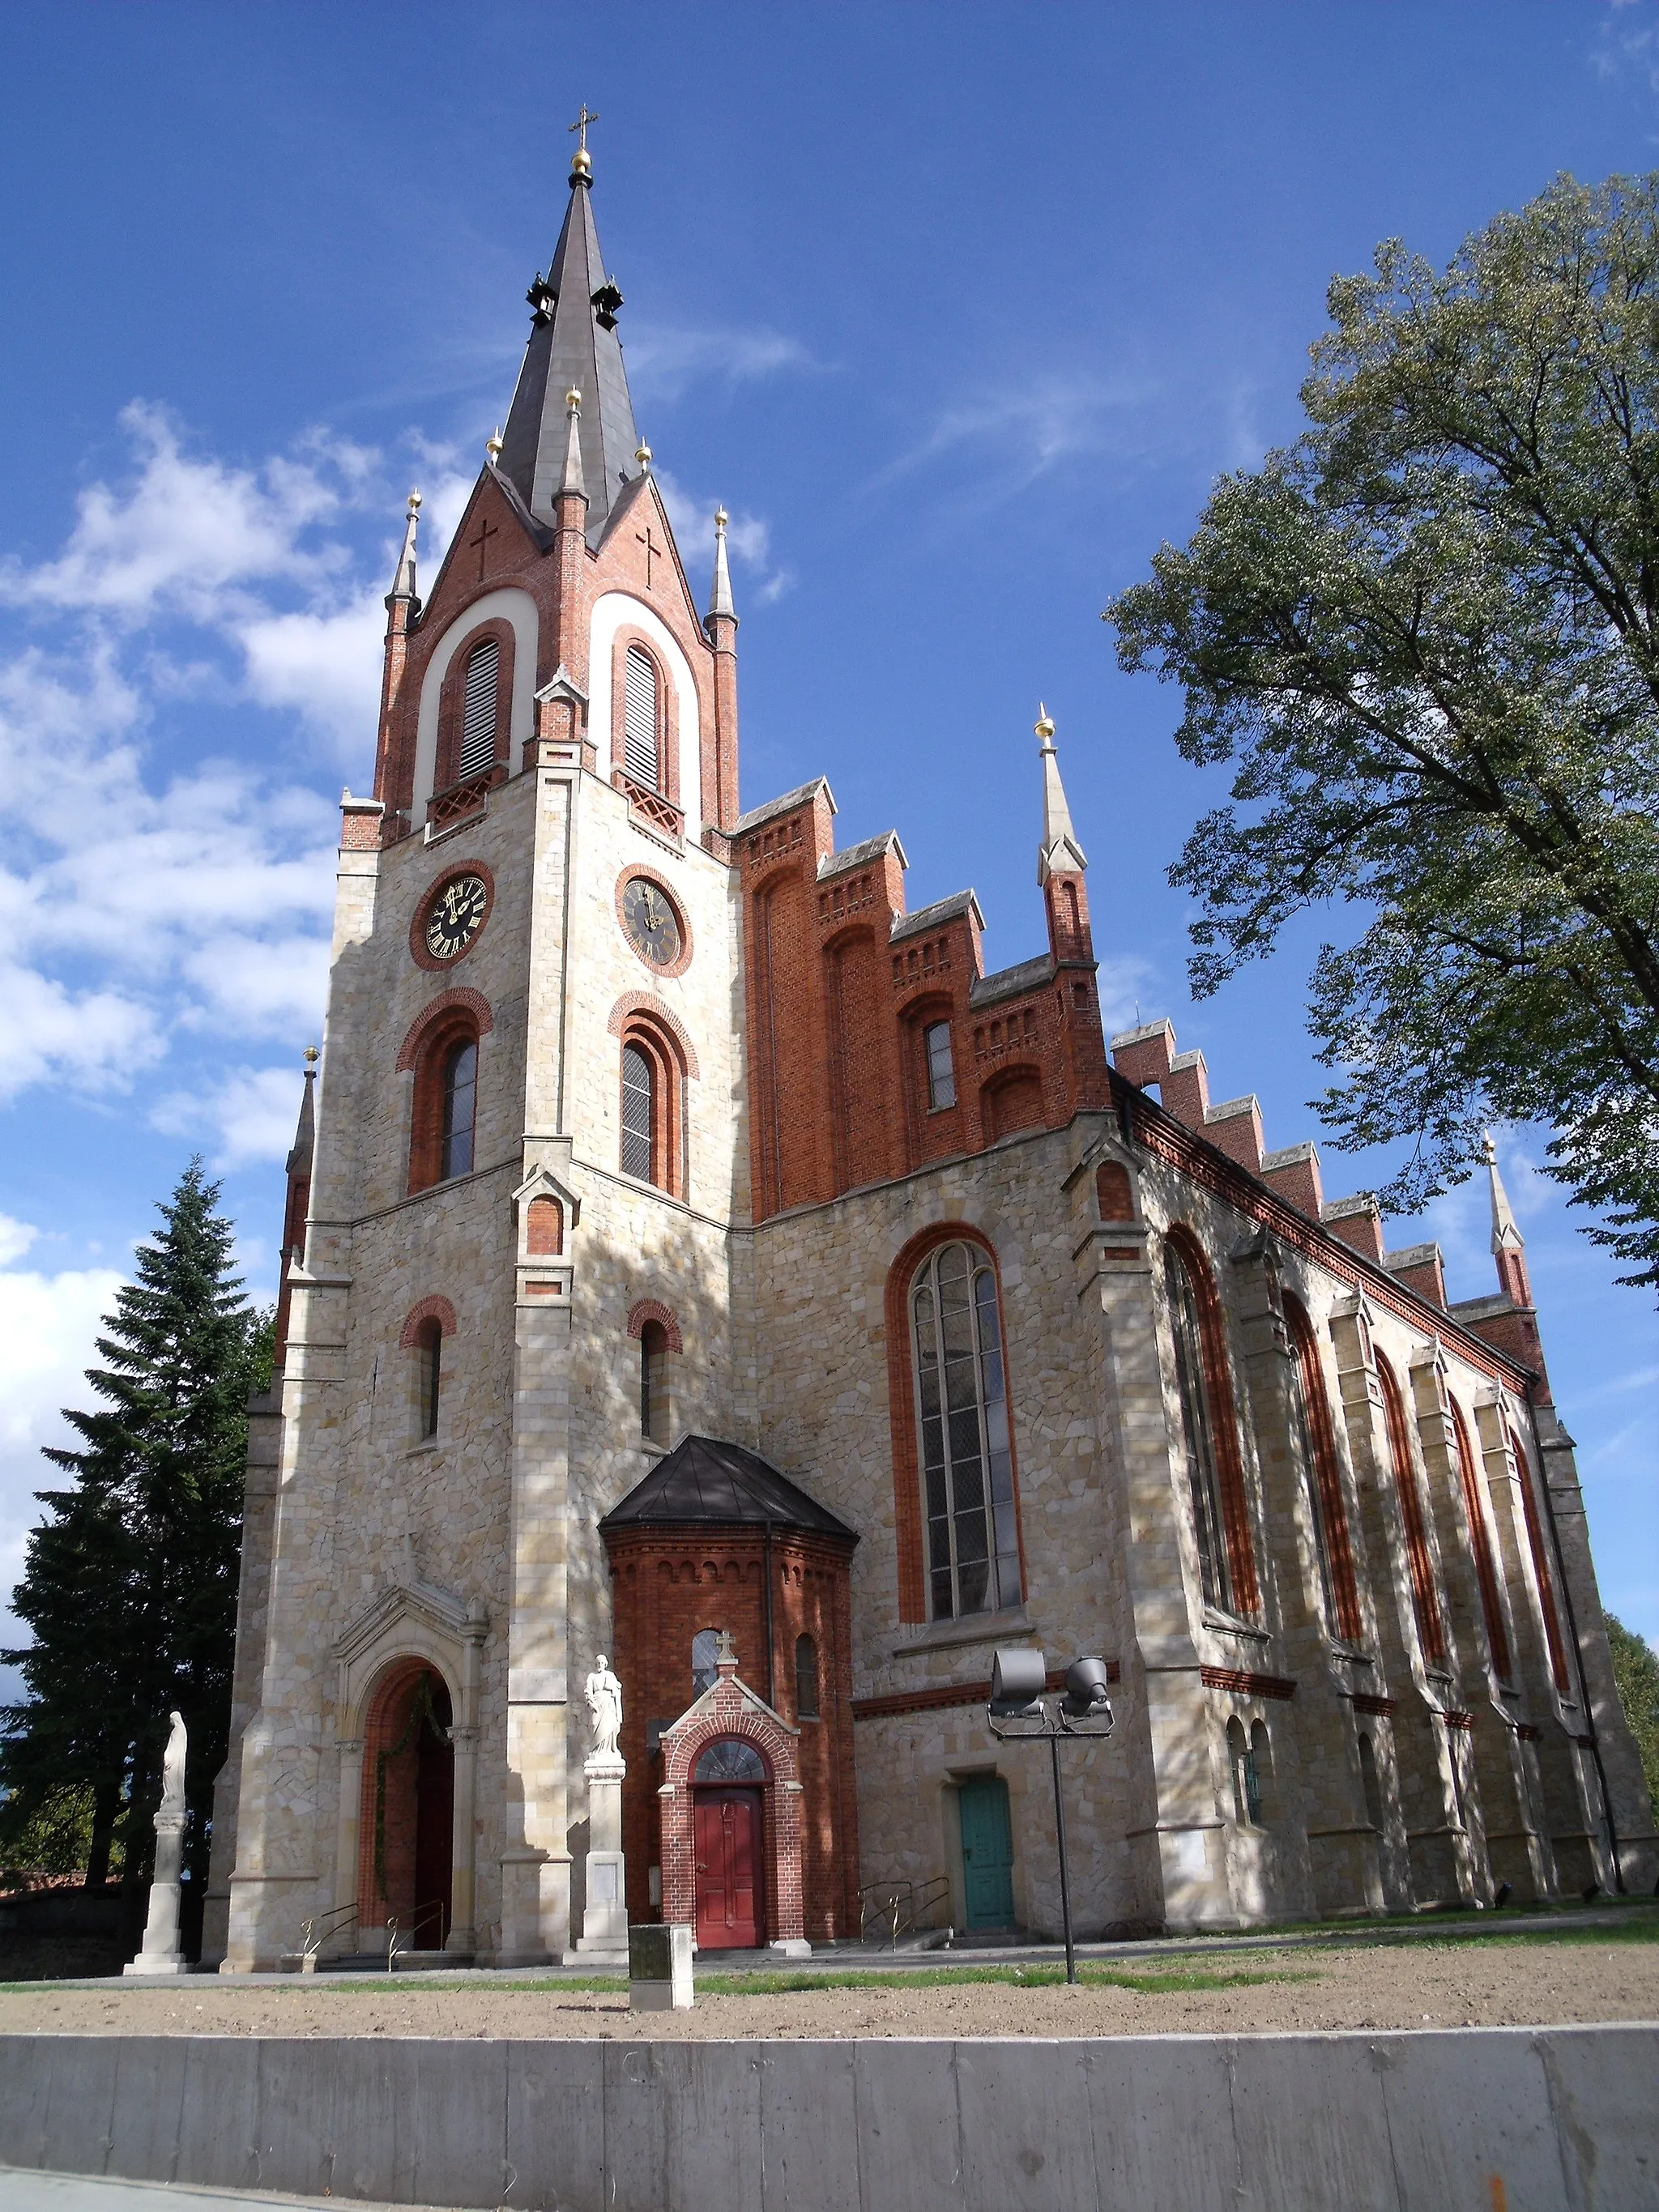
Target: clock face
455 916
651 923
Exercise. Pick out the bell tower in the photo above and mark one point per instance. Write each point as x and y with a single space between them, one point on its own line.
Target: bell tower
530 1148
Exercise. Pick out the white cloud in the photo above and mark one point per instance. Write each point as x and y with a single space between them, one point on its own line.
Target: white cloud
1122 981
47 1328
259 987
90 1040
15 1238
325 666
248 1115
663 358
747 541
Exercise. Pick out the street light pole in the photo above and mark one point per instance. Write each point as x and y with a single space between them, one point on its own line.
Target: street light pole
1018 1678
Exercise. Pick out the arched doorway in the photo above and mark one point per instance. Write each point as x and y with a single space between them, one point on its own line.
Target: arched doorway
405 1866
728 1835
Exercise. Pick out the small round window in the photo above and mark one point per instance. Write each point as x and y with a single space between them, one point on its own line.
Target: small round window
730 1761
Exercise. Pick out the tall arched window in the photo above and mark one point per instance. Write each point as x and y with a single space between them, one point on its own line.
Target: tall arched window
1486 1572
1209 1436
1540 1567
639 1112
653 1381
1316 1440
806 1679
967 1479
642 715
460 1108
1425 1601
428 1351
479 710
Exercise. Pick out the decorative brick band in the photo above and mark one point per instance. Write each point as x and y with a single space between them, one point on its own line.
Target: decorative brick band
1246 1684
473 1002
646 1002
952 1695
654 1310
1527 1730
1364 1702
1458 1720
433 1308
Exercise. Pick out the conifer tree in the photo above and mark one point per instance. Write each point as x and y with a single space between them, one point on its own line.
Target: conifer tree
130 1586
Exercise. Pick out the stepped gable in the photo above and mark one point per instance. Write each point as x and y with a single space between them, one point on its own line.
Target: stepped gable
703 1481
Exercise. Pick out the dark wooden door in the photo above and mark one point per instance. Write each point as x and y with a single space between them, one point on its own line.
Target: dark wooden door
731 1906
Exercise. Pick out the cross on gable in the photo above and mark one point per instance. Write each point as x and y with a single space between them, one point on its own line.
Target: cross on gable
487 530
652 550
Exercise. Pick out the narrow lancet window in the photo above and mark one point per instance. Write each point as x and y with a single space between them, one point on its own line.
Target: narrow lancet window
430 1352
460 1108
806 1679
941 1070
973 1545
638 1101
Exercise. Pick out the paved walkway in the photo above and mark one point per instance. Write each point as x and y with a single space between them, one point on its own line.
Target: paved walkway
75 2192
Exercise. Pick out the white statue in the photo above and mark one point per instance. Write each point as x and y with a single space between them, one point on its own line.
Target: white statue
604 1693
172 1769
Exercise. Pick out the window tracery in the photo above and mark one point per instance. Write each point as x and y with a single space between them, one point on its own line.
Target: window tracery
966 1467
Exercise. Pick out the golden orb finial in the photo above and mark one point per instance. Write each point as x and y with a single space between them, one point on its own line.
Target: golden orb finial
721 518
1044 726
493 444
573 401
312 1058
642 455
413 502
582 166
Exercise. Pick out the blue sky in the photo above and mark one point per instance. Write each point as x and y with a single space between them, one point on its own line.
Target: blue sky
959 309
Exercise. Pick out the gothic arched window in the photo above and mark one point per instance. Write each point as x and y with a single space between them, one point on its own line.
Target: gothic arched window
1486 1572
653 1381
479 710
430 1351
1425 1601
1540 1567
806 1679
967 1478
641 718
460 1108
1198 1427
639 1112
1315 1439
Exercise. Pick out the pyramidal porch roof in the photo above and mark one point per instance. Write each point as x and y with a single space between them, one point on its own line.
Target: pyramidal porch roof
703 1480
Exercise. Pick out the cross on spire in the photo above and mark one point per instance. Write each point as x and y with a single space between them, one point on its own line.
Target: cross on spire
581 123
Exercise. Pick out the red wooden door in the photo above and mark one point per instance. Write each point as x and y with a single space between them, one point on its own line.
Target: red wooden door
727 1832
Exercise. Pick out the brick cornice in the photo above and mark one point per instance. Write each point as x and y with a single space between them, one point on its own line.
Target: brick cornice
1168 1140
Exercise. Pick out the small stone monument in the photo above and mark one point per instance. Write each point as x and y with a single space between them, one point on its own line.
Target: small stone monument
161 1954
659 1969
604 1920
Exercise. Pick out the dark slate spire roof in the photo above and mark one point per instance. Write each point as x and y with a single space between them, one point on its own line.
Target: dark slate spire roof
305 1134
703 1479
573 345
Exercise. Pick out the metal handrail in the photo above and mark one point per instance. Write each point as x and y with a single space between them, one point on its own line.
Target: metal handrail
316 1931
899 1904
417 1914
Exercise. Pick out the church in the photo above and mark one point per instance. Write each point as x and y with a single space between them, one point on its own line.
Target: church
697 1267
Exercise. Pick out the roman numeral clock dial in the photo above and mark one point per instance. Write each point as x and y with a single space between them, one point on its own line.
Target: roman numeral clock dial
455 916
651 924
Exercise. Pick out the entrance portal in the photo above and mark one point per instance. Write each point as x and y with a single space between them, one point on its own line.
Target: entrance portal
728 1831
987 1852
409 1794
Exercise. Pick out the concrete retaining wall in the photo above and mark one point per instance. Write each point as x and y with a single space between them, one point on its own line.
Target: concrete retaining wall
1493 2120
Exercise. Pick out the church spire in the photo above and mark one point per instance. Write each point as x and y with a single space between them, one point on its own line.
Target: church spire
1508 1246
719 596
1060 853
402 584
573 343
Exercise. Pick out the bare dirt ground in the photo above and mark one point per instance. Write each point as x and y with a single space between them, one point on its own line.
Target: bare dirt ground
1528 1980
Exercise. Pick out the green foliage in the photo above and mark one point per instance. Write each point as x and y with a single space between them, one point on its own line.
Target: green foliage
129 1585
1426 637
1635 1670
52 1836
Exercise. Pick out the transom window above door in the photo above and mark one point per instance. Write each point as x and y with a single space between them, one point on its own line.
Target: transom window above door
730 1760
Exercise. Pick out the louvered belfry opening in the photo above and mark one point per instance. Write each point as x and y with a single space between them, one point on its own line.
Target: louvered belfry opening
640 716
479 711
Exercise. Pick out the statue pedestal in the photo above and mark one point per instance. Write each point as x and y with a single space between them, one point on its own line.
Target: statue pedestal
604 1917
161 1954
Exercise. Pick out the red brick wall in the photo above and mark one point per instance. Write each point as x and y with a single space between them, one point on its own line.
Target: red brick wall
668 1583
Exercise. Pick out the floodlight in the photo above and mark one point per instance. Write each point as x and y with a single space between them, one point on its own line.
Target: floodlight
1085 1690
1017 1678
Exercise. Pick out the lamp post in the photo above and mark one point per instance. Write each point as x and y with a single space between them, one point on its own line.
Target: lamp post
1017 1714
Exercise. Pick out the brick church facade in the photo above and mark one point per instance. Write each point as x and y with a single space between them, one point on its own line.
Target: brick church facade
695 1258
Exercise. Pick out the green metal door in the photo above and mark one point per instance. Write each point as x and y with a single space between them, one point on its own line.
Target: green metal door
987 1852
